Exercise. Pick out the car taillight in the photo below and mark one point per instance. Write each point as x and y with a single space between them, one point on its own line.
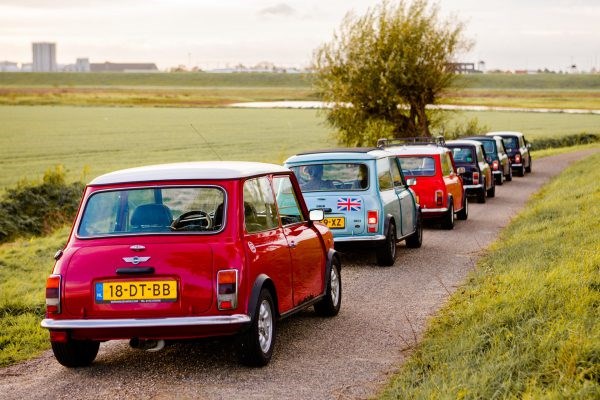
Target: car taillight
517 158
475 178
227 289
439 197
495 165
372 220
53 294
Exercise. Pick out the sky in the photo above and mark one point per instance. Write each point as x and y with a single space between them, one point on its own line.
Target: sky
508 34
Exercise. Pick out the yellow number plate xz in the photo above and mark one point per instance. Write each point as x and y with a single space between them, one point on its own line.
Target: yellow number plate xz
335 222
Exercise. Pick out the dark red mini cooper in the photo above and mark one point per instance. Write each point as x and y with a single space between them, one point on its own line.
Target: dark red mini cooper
192 250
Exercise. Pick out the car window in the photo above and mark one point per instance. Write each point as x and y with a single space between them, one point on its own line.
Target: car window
332 177
396 175
447 168
153 210
417 166
260 213
511 142
489 146
383 174
463 154
287 202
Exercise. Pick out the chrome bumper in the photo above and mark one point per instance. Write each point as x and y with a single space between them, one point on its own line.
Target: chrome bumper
359 238
144 322
516 165
434 210
497 173
473 186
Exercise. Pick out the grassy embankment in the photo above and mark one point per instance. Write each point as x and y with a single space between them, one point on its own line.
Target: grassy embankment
527 322
210 90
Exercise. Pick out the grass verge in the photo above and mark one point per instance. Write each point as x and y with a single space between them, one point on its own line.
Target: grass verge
24 267
527 322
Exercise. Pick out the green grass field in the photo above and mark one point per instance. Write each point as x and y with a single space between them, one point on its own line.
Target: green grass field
89 141
526 324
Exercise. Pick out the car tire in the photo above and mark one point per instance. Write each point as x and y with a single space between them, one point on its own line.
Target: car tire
255 345
329 306
75 353
521 171
415 240
464 213
386 253
448 218
481 194
499 179
509 176
491 192
528 169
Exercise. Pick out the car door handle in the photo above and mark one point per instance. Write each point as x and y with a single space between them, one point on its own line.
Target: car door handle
292 244
135 271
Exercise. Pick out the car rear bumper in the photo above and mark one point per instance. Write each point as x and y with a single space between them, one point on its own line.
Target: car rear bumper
434 210
145 322
347 239
497 173
473 187
516 165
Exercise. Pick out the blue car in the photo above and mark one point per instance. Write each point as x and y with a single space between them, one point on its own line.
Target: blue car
365 198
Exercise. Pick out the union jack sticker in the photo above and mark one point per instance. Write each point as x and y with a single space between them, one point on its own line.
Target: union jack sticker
349 204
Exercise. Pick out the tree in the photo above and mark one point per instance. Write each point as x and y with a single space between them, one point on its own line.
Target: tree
382 69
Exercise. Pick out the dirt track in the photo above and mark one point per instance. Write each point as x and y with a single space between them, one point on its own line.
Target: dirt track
384 311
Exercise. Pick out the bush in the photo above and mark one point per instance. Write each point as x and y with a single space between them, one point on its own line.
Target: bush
564 141
39 208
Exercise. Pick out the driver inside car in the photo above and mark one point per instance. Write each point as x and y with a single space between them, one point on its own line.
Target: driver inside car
315 179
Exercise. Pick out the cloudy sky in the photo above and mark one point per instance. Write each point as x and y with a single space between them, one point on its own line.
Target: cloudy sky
508 34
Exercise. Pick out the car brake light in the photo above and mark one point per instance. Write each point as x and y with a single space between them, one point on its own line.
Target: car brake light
475 178
372 220
439 198
517 158
495 165
227 289
53 294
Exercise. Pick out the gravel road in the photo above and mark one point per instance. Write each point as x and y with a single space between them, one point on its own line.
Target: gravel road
384 312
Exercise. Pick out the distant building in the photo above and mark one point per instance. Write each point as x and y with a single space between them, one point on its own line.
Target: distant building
82 65
44 57
8 66
463 68
123 67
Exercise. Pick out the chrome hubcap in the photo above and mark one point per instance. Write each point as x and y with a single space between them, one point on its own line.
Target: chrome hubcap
265 326
335 286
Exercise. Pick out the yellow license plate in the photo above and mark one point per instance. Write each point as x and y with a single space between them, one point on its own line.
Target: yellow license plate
136 291
335 222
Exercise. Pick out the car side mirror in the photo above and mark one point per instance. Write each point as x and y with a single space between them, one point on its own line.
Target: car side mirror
411 182
460 170
316 215
528 145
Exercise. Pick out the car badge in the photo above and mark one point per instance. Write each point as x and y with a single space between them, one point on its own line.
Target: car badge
135 260
137 247
252 247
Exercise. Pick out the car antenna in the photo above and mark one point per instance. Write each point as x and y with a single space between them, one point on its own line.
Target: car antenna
206 141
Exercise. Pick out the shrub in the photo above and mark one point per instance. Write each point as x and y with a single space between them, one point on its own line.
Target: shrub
564 141
39 208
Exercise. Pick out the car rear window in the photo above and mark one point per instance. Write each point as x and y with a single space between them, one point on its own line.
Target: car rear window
163 210
489 146
332 177
463 155
417 166
511 142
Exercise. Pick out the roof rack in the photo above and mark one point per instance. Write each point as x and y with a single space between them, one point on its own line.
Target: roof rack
420 140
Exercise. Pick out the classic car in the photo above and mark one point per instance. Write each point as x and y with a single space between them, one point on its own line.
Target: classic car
185 251
365 198
496 156
439 187
518 150
477 178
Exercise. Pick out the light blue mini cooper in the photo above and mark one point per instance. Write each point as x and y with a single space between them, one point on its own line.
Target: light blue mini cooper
364 195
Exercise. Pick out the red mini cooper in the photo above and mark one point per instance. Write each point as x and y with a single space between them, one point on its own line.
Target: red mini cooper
191 250
438 185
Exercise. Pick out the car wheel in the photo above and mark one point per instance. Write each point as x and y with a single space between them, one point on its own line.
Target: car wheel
491 192
481 194
464 213
386 253
509 176
329 306
448 218
499 179
528 169
255 346
75 353
521 171
415 240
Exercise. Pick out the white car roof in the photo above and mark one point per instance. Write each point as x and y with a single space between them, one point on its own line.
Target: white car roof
189 170
416 150
500 133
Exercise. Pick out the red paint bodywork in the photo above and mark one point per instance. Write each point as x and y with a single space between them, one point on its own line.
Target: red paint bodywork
297 272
